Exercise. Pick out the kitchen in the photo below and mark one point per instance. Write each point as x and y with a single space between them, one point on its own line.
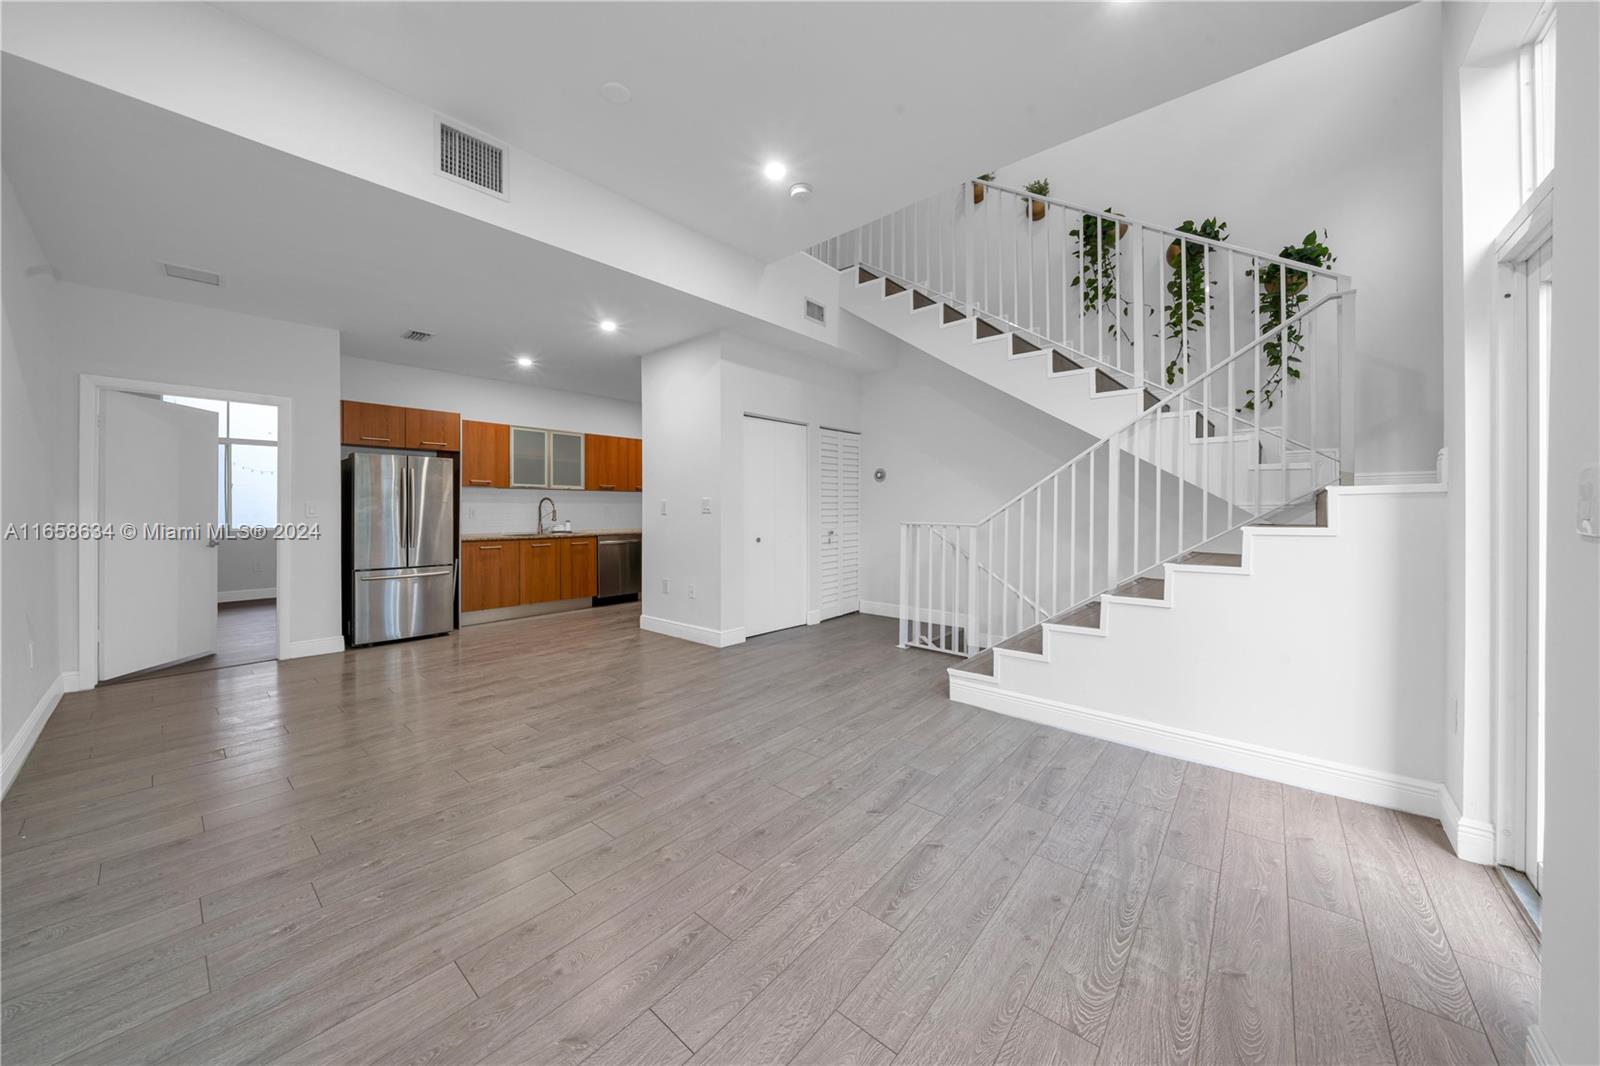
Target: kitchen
523 519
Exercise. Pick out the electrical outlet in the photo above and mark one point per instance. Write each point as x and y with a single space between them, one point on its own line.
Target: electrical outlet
691 592
259 566
311 510
1455 714
472 512
666 584
705 505
30 655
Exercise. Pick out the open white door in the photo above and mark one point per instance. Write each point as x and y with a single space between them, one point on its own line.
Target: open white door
839 522
158 595
774 525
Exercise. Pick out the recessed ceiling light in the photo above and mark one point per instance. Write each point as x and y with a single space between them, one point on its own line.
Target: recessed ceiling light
800 190
524 361
607 326
775 170
616 92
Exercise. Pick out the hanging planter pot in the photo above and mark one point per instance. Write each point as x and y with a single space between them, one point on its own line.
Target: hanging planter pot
1036 208
979 185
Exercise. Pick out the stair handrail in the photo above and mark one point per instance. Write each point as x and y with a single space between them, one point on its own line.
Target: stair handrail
981 596
1291 322
1151 227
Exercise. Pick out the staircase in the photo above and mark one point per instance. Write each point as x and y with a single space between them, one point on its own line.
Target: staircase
1217 404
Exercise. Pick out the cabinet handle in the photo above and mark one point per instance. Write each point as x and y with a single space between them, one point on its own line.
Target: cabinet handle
479 481
612 487
437 443
490 547
383 439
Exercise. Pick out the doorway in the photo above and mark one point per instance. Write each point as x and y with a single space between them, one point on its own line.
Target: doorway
212 465
1521 462
774 525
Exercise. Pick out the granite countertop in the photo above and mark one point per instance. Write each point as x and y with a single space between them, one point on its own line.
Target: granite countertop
469 537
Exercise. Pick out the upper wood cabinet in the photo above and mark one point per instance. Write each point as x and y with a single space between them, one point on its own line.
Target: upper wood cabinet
372 424
383 425
491 574
613 464
485 455
436 430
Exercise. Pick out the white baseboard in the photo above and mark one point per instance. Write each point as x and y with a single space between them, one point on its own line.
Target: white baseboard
1409 794
300 649
241 595
1473 839
1540 1053
715 638
17 751
877 607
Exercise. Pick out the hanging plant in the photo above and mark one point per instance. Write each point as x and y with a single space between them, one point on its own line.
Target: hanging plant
1281 292
1097 266
1036 208
1188 298
978 185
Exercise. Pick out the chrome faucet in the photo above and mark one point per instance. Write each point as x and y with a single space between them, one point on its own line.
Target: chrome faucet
552 504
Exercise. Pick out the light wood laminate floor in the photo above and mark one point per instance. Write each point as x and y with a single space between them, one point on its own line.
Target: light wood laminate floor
247 632
562 840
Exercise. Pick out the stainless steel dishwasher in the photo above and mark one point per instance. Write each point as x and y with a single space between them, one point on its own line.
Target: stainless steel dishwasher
618 561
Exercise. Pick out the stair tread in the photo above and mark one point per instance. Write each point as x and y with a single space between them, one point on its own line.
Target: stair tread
919 300
892 287
1104 382
1019 346
981 663
1061 363
987 329
1212 559
863 276
952 315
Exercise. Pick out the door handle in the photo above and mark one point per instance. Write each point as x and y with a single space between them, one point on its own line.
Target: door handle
758 540
404 577
381 440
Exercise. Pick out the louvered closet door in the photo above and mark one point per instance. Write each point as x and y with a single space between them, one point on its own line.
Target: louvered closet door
839 529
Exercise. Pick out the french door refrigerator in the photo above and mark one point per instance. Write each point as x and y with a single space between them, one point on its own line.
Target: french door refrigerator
400 546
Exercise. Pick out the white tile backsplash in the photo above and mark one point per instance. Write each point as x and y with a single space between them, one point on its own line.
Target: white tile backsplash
517 510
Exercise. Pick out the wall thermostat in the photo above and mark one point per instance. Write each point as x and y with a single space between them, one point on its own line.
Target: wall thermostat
878 474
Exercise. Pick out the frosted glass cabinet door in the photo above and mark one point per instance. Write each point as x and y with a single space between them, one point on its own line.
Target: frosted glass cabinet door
530 455
566 460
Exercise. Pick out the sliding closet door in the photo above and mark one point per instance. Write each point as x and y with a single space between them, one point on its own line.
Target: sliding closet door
839 522
774 525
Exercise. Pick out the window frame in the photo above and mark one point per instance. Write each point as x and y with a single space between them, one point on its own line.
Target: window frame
226 441
1536 103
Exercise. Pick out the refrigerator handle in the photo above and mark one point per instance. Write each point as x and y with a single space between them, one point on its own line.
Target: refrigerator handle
405 509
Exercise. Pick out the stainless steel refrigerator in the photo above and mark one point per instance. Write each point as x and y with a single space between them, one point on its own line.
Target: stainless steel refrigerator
400 546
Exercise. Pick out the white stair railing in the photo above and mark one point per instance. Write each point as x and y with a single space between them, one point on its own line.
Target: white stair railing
1148 304
1194 468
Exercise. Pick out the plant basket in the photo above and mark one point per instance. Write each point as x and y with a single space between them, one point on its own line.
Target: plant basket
1036 209
977 192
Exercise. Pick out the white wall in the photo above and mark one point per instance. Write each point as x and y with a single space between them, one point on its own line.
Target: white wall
1571 956
1318 663
247 568
480 399
30 570
695 398
759 379
681 391
1342 135
120 335
953 450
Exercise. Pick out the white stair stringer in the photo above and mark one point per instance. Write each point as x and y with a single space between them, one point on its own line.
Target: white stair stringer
1070 396
1317 662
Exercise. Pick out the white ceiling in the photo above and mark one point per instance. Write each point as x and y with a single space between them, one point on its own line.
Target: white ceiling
875 104
115 187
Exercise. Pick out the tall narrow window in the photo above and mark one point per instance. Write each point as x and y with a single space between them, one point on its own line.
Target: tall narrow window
1536 69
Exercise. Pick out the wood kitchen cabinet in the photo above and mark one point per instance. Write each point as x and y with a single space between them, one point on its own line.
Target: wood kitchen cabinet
485 455
578 567
491 574
541 571
560 568
438 431
612 464
372 424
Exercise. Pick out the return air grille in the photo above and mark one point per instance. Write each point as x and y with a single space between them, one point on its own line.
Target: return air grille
416 335
816 312
471 159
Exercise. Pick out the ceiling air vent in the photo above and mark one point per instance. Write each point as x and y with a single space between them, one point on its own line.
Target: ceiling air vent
816 312
418 335
469 158
204 277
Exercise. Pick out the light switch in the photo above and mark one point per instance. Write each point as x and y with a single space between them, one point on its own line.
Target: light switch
311 509
663 506
705 505
1589 502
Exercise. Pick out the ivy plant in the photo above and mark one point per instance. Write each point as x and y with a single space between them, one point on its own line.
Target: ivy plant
1097 267
1281 292
1188 298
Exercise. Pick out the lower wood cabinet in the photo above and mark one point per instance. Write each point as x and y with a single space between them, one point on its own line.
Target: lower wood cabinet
491 574
558 569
